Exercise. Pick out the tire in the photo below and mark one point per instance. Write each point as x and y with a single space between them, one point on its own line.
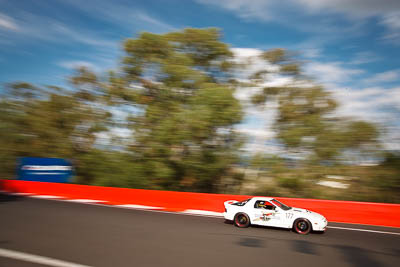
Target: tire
241 220
302 226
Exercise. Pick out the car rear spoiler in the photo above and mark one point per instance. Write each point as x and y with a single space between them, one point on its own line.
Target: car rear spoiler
230 202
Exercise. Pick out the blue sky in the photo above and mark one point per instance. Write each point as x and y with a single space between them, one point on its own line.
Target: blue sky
350 46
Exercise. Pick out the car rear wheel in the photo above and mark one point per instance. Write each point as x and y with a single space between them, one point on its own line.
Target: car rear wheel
241 220
302 226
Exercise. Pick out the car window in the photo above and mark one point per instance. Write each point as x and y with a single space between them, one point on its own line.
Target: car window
241 203
281 205
261 204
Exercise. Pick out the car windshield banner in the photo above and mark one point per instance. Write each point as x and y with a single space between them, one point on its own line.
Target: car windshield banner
45 170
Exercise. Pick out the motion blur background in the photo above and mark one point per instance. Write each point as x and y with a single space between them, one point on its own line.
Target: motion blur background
299 99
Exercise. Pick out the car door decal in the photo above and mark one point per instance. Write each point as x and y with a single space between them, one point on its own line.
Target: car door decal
266 216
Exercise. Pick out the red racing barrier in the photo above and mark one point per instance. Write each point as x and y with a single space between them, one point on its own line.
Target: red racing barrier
335 211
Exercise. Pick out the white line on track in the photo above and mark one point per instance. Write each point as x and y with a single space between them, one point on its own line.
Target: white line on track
363 230
37 259
140 207
204 212
219 216
88 201
186 212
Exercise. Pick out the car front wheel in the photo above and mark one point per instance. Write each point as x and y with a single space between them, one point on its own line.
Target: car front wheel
241 220
302 226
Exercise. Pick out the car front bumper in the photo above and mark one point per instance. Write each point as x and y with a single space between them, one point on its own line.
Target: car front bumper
320 225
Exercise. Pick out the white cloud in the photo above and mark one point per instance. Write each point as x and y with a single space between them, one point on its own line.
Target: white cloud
122 14
263 147
153 21
392 138
291 13
331 72
260 138
351 7
384 77
106 138
296 14
55 29
373 104
364 58
73 64
311 52
258 9
257 125
251 63
44 28
378 105
392 20
8 23
249 58
392 23
240 52
392 37
70 34
264 9
256 132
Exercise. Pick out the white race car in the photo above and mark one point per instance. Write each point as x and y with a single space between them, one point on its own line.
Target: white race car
271 212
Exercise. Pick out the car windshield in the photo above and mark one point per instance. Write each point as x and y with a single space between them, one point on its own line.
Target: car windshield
241 203
280 204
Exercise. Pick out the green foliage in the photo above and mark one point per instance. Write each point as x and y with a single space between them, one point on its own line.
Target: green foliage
185 131
183 138
177 92
290 183
307 124
45 122
275 56
305 120
108 168
258 99
385 180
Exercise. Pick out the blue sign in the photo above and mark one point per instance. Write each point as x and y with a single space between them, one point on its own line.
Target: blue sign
45 170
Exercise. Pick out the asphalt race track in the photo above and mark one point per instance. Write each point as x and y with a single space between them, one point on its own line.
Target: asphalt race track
113 237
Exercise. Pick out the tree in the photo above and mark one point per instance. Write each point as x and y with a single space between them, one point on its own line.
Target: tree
46 122
181 106
175 92
308 127
181 110
185 135
306 113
